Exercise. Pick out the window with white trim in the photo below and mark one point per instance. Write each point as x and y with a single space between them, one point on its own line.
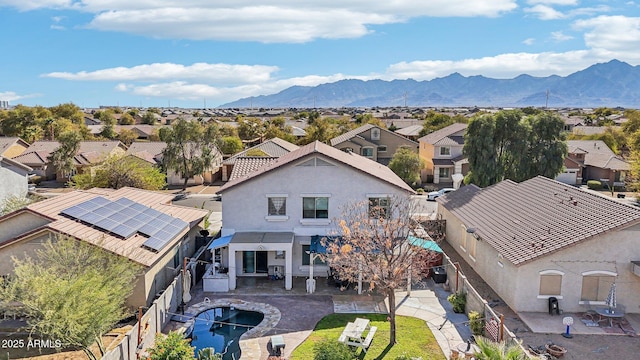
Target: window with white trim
378 207
550 283
596 285
315 207
277 206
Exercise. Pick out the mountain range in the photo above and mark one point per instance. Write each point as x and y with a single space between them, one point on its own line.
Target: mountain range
611 84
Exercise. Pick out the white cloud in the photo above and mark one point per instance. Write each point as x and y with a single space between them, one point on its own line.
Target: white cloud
220 73
544 12
560 36
270 21
553 2
12 96
618 35
529 41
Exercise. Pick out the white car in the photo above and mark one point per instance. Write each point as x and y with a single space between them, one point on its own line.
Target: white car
436 194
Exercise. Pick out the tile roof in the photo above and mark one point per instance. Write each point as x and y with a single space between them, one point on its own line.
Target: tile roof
275 147
89 152
528 220
246 165
131 247
412 130
354 161
34 158
438 135
148 151
6 142
597 154
350 134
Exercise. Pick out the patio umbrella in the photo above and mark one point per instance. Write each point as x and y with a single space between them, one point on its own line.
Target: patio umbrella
611 298
186 287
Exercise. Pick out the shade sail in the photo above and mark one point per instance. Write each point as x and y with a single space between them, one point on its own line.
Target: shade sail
220 242
427 244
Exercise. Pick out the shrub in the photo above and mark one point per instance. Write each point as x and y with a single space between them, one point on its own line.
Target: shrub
171 347
429 188
459 302
476 323
594 184
330 349
420 191
36 179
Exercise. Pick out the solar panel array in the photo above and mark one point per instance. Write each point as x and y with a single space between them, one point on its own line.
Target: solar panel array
125 218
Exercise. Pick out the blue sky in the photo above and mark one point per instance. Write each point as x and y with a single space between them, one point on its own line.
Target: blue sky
189 53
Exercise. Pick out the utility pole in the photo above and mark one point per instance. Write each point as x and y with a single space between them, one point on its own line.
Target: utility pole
546 103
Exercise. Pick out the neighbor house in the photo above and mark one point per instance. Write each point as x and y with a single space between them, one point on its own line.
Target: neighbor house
15 177
90 154
272 216
11 147
541 238
372 142
442 154
272 148
592 160
142 226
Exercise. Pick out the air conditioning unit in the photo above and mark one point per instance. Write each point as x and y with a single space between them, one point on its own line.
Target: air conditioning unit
635 267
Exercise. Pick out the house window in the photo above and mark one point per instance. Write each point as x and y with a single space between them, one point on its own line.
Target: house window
315 208
472 246
595 286
550 283
375 134
382 148
379 207
444 172
463 238
277 206
306 256
367 151
445 150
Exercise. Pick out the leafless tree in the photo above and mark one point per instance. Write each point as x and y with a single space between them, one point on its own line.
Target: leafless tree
372 245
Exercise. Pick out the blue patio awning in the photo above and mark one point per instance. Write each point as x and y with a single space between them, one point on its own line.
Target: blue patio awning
427 244
220 242
316 243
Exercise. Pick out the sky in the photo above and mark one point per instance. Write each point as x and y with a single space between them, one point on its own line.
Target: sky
204 53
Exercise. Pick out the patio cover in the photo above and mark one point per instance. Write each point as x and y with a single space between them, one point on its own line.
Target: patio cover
427 244
316 243
220 242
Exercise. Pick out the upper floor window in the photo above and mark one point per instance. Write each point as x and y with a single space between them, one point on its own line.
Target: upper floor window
367 151
315 207
382 148
375 134
277 206
379 207
445 150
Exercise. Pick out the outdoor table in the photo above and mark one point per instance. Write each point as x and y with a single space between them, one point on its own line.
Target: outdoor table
352 333
609 314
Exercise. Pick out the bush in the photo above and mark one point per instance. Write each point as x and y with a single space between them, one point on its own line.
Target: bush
594 184
330 349
429 188
36 180
171 347
420 191
476 323
459 302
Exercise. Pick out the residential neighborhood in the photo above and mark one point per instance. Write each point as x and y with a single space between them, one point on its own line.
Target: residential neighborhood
260 228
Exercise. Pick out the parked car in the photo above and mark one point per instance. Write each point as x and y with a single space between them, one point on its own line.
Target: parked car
436 194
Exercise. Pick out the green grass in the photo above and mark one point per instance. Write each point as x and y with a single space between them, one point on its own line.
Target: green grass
413 338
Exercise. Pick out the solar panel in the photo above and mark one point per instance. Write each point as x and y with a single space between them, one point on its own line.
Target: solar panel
98 201
134 223
155 243
138 207
124 202
107 224
119 217
103 211
148 229
74 212
124 231
91 218
115 207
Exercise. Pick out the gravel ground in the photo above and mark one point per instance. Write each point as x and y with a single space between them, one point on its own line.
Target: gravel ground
583 347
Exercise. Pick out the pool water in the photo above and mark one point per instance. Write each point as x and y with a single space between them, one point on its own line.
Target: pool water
221 328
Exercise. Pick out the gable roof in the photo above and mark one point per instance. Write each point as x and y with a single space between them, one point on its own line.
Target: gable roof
412 130
554 216
354 161
89 152
275 147
246 165
597 154
13 163
132 247
445 132
357 131
148 151
6 142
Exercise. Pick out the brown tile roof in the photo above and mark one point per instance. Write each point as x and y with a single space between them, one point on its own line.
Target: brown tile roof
412 130
355 132
354 161
89 152
246 165
597 154
275 147
536 217
438 135
131 247
34 158
148 151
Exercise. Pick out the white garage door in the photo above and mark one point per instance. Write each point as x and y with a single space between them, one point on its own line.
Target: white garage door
570 177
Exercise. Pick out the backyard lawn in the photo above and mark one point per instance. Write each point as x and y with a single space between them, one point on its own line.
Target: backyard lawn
413 337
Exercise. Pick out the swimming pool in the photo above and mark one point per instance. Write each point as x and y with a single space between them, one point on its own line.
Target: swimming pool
221 328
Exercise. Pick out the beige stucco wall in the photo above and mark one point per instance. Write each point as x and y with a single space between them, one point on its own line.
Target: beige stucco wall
20 250
519 286
390 140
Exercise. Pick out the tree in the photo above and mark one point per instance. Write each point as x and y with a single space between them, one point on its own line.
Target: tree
63 158
406 163
230 145
72 291
190 150
321 130
149 118
506 146
373 244
126 119
434 121
108 124
172 346
127 136
13 203
120 171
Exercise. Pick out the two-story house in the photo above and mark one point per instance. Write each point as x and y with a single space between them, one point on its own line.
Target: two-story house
442 154
270 215
592 160
372 142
